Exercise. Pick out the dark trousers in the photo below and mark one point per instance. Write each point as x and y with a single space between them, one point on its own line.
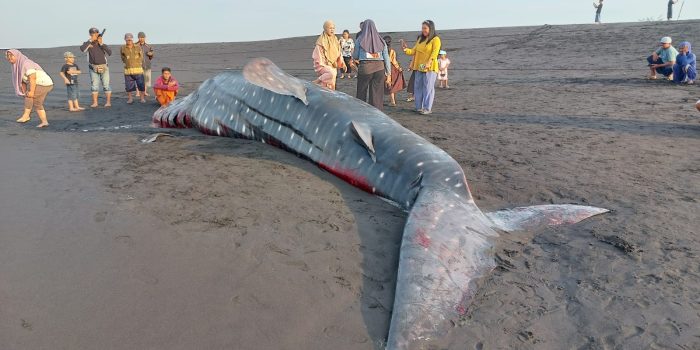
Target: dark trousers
370 86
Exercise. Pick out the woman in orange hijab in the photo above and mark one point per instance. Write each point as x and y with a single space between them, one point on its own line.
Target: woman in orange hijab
327 57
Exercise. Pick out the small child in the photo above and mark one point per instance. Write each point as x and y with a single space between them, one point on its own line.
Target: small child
166 87
69 73
443 64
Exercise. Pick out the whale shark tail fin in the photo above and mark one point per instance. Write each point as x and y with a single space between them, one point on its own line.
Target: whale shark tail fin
446 247
540 216
174 115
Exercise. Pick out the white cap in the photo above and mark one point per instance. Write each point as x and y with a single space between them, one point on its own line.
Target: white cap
666 40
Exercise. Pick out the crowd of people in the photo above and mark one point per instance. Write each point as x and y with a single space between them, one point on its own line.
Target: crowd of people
33 83
369 57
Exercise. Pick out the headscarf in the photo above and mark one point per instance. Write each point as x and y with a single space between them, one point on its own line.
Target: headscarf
369 38
21 67
330 45
685 43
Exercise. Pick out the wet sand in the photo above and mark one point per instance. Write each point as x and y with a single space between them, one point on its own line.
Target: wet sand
199 242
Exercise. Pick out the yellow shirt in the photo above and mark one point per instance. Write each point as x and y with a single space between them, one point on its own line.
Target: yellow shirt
425 53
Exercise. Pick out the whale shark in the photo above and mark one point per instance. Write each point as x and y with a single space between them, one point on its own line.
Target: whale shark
447 242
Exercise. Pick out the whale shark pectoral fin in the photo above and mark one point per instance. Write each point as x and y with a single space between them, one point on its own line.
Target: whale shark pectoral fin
262 72
363 135
526 218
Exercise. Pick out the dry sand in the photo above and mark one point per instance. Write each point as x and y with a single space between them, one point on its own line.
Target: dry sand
199 242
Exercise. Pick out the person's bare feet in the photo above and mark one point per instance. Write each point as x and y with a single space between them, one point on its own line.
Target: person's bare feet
143 100
80 109
42 125
130 101
73 109
107 105
23 120
94 105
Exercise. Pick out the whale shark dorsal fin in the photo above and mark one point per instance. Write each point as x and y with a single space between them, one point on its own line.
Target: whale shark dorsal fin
364 136
262 72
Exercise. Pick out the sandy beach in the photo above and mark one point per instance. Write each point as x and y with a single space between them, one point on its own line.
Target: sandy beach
197 242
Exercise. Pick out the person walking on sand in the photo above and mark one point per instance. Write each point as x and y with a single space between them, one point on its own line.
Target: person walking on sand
327 57
97 52
425 64
132 56
347 46
374 68
69 73
662 60
31 82
669 14
398 82
443 65
685 70
148 54
598 9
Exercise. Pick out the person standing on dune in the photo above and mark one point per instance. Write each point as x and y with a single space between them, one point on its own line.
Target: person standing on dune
599 8
327 57
97 52
669 14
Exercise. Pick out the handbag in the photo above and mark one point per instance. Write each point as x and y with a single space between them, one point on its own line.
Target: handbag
98 68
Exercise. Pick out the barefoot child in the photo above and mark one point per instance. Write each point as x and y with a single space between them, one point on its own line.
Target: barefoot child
443 64
69 73
166 87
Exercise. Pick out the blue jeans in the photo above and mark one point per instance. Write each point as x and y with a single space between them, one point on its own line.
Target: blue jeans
96 79
73 92
665 71
424 90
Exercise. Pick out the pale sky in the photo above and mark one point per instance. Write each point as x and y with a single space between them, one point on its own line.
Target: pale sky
52 23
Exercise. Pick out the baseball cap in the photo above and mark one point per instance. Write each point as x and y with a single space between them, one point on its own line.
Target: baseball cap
68 54
94 30
666 40
128 36
443 52
142 35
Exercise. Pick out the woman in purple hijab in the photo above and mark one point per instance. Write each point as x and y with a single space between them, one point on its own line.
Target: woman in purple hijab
374 69
31 82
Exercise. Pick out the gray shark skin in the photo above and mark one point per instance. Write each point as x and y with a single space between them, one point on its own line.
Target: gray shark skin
447 240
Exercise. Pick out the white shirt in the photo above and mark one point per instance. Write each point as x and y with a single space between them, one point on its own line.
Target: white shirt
42 79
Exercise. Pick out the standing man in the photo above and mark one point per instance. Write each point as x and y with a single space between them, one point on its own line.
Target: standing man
147 57
669 15
99 70
599 8
132 56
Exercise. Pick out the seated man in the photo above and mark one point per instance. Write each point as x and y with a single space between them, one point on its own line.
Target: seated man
663 59
684 71
166 87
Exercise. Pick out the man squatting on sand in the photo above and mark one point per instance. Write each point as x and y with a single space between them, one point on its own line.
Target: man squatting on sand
662 60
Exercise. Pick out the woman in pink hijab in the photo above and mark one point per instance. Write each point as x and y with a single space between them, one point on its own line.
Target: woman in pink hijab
32 83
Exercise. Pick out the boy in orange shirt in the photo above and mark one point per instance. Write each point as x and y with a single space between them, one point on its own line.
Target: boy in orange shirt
166 87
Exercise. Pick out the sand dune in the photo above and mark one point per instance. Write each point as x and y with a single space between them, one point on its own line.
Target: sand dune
197 242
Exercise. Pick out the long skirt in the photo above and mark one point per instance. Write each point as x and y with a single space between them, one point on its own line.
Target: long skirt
398 82
412 83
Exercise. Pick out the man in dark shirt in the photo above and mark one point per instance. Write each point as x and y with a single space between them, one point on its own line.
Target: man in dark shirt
669 15
599 9
99 70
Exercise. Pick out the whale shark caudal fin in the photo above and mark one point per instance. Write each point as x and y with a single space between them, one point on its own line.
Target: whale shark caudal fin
446 246
364 136
265 74
540 216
